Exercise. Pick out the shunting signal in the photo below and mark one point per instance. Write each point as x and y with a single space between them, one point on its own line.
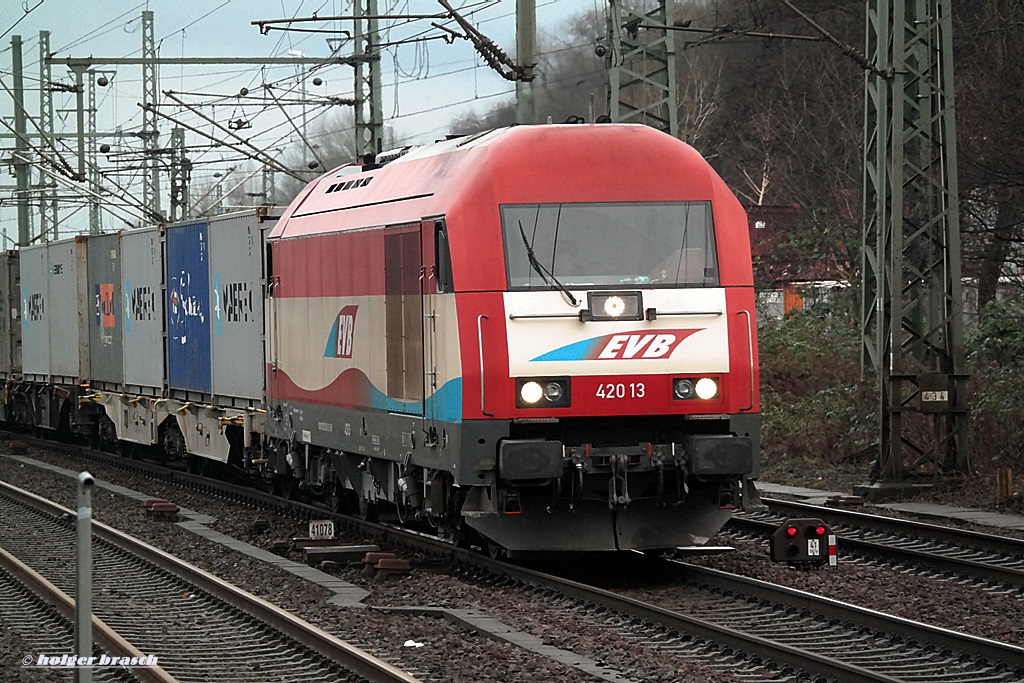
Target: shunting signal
804 542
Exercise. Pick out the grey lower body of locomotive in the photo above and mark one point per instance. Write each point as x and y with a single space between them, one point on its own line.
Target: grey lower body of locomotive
478 475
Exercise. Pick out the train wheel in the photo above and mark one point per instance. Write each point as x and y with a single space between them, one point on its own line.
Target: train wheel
173 441
343 500
107 435
287 487
465 537
368 510
197 465
129 450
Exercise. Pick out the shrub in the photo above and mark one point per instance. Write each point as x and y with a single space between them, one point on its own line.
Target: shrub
816 409
996 395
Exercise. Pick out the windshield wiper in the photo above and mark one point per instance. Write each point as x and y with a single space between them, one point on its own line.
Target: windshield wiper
544 273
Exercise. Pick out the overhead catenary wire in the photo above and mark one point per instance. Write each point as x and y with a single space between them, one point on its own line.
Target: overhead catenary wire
300 133
261 154
82 190
258 155
216 143
63 166
25 13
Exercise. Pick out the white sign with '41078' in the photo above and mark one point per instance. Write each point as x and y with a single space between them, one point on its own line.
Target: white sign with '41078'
320 529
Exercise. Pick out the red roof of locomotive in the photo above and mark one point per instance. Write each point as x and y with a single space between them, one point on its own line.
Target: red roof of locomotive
466 179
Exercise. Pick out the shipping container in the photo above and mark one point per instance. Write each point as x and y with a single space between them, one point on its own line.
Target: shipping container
69 307
143 338
187 304
35 321
10 315
107 315
237 290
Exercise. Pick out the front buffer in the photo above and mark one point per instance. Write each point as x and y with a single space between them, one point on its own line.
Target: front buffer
553 497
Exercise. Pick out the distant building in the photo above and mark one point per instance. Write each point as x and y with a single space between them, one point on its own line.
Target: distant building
787 278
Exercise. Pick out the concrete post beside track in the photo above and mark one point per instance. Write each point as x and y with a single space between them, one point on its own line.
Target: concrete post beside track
83 594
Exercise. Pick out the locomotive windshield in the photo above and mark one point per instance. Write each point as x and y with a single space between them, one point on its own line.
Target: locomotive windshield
667 244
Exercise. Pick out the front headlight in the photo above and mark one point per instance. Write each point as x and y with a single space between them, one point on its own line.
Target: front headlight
530 392
543 392
706 388
613 306
689 388
683 389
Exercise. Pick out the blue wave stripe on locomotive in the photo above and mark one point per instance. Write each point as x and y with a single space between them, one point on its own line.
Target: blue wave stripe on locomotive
445 405
581 350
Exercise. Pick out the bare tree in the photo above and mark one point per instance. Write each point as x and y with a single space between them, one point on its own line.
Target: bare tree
989 52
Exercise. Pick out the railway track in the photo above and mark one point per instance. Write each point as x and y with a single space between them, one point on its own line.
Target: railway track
752 629
203 628
44 626
961 553
754 622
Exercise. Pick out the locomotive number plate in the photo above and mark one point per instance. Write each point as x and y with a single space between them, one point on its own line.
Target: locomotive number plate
320 529
621 390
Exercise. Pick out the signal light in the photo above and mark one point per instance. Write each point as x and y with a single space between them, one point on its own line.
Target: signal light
804 542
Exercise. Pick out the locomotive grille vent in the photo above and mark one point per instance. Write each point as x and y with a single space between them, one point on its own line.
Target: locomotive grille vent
348 185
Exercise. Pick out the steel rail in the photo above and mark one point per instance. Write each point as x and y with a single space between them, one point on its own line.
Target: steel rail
952 565
1012 655
346 655
1005 573
111 641
1004 544
754 645
780 653
745 642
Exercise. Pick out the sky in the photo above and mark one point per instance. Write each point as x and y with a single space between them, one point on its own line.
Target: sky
426 84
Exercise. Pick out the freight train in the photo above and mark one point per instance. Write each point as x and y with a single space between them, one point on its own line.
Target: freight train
538 338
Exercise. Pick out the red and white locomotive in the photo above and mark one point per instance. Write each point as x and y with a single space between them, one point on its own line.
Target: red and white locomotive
541 336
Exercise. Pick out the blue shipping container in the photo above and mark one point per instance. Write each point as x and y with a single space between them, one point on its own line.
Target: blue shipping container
188 307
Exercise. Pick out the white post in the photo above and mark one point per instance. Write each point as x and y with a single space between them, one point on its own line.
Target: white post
83 595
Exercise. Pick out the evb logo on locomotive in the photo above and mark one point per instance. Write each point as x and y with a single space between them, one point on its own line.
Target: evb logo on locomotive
341 339
645 345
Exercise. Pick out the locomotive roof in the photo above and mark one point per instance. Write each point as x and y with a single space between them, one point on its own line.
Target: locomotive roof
520 164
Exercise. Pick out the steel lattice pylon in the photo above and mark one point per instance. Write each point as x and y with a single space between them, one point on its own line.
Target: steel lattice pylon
642 72
47 187
150 133
912 318
369 118
181 177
